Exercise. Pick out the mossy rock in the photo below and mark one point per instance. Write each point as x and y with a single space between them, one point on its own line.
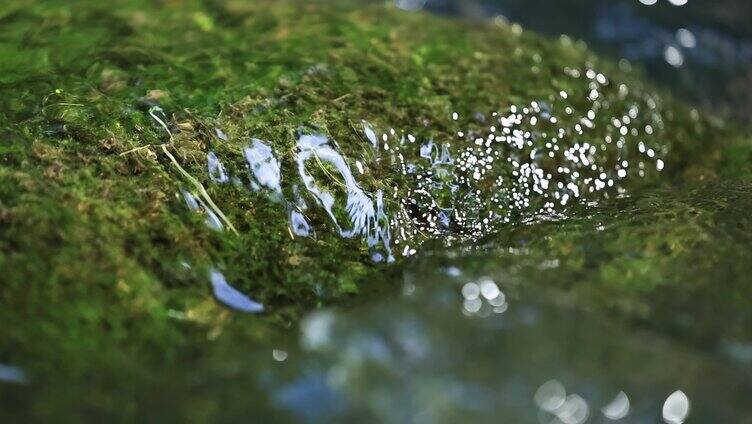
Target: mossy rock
95 238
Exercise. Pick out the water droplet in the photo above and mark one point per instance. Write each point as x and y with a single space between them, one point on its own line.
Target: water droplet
676 408
370 134
264 167
220 134
230 296
618 408
216 170
550 396
12 374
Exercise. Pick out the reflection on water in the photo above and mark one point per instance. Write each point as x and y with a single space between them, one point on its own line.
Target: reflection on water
617 408
422 358
230 296
264 167
676 408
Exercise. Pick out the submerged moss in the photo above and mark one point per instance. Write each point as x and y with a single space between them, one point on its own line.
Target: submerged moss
94 236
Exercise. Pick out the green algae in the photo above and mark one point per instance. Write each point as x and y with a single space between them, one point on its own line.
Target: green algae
94 234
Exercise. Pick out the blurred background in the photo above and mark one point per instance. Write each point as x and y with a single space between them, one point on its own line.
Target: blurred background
701 49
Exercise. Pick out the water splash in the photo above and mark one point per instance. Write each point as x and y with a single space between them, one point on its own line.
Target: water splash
380 233
195 204
299 224
430 151
533 160
585 141
367 217
230 296
264 167
370 134
220 134
217 171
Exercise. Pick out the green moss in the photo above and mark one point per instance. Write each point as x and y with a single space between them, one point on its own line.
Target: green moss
673 260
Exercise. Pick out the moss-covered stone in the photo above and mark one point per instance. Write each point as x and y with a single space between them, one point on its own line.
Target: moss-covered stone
95 237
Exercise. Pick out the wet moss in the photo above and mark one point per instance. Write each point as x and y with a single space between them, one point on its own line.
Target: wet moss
674 260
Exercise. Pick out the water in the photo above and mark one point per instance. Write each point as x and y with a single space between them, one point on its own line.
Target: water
264 167
230 296
482 334
216 170
430 356
196 204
